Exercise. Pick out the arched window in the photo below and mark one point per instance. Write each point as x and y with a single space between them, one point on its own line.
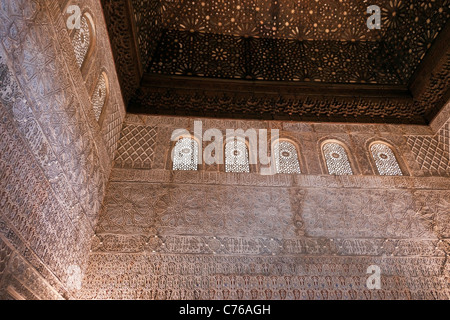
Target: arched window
385 160
236 156
99 96
336 159
287 159
185 154
82 39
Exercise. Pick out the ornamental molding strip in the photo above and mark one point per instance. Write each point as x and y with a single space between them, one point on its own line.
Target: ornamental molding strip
156 176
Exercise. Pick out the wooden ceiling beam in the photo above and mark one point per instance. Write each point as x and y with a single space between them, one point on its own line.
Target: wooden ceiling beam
277 87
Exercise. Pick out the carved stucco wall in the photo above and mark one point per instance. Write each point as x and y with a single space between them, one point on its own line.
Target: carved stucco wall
55 158
206 234
216 235
432 151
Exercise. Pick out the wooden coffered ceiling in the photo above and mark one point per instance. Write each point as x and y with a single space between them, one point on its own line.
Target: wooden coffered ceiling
282 59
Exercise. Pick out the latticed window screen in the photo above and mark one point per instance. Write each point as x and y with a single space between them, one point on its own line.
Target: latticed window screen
236 156
286 158
385 160
82 40
99 96
336 159
185 154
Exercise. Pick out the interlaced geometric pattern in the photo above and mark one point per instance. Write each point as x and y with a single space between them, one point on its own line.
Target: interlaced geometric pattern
287 160
444 138
322 30
431 153
336 159
99 96
81 41
236 156
136 147
113 129
185 155
256 41
385 160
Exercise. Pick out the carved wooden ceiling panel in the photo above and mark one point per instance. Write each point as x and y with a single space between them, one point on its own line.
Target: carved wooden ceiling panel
284 41
316 31
232 57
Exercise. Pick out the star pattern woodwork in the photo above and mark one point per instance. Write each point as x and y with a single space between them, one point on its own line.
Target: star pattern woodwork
305 44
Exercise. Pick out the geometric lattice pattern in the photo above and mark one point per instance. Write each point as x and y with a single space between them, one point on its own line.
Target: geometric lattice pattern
303 41
385 160
233 57
236 156
287 160
431 152
444 137
185 155
114 125
136 147
337 159
81 41
287 29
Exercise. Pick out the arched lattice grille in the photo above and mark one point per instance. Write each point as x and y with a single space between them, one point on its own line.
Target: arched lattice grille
81 41
99 96
185 154
385 160
236 156
286 158
336 159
